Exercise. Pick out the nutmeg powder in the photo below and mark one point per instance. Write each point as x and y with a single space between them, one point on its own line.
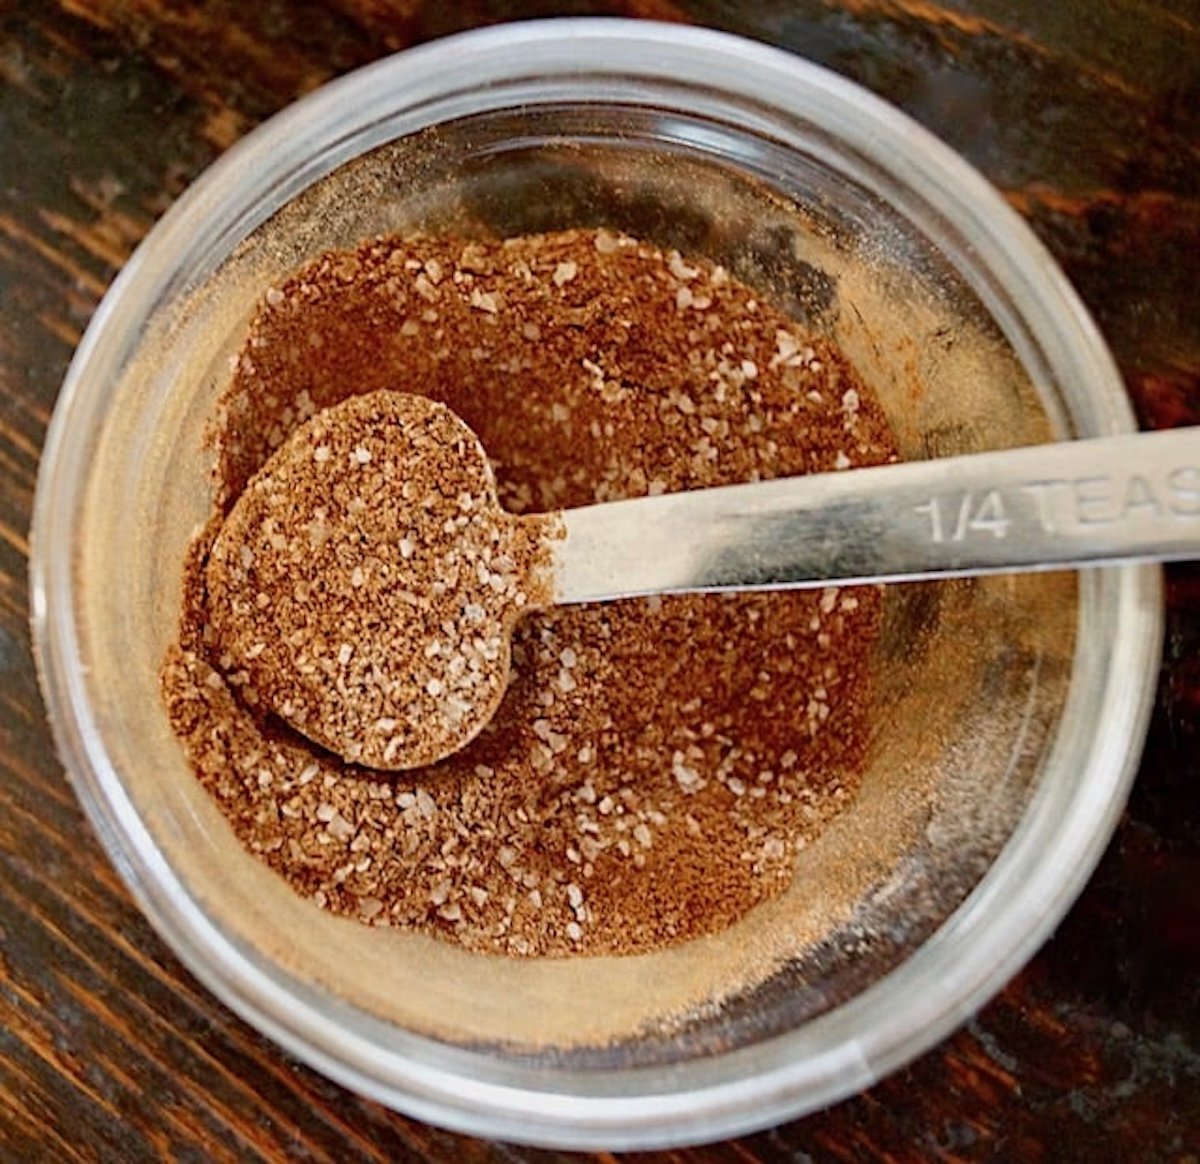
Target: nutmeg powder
656 764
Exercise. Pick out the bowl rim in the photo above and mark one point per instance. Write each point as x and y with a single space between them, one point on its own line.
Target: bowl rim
1024 894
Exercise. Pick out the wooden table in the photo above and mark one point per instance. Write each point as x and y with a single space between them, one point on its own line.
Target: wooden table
1085 114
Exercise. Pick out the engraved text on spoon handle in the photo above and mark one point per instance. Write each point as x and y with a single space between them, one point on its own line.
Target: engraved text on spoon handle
1108 499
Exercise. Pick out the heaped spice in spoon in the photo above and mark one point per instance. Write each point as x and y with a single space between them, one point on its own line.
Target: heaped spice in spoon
367 581
655 765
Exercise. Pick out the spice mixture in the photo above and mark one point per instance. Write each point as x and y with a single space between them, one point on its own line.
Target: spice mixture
654 765
366 581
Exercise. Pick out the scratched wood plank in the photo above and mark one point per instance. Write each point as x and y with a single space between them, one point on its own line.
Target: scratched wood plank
1084 114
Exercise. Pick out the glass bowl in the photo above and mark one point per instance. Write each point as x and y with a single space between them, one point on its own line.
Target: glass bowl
1008 712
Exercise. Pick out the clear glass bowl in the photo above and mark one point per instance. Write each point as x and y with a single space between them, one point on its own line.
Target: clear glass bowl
1009 711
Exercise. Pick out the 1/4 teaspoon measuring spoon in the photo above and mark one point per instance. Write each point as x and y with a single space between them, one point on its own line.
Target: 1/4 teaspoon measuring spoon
365 585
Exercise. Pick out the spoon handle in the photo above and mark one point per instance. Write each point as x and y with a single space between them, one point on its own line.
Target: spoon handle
1101 500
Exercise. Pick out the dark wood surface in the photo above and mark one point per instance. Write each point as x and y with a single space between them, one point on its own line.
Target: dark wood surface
1085 114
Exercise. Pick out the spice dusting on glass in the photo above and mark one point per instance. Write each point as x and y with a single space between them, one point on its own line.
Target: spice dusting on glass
654 765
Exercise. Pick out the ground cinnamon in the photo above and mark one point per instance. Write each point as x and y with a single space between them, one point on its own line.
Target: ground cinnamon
655 765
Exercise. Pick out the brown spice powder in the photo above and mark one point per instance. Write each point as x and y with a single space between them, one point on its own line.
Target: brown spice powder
364 585
655 765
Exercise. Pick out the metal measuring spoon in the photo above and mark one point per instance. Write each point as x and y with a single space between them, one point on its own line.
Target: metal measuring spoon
396 653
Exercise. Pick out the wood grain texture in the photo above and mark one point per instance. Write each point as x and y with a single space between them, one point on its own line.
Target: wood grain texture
1085 114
